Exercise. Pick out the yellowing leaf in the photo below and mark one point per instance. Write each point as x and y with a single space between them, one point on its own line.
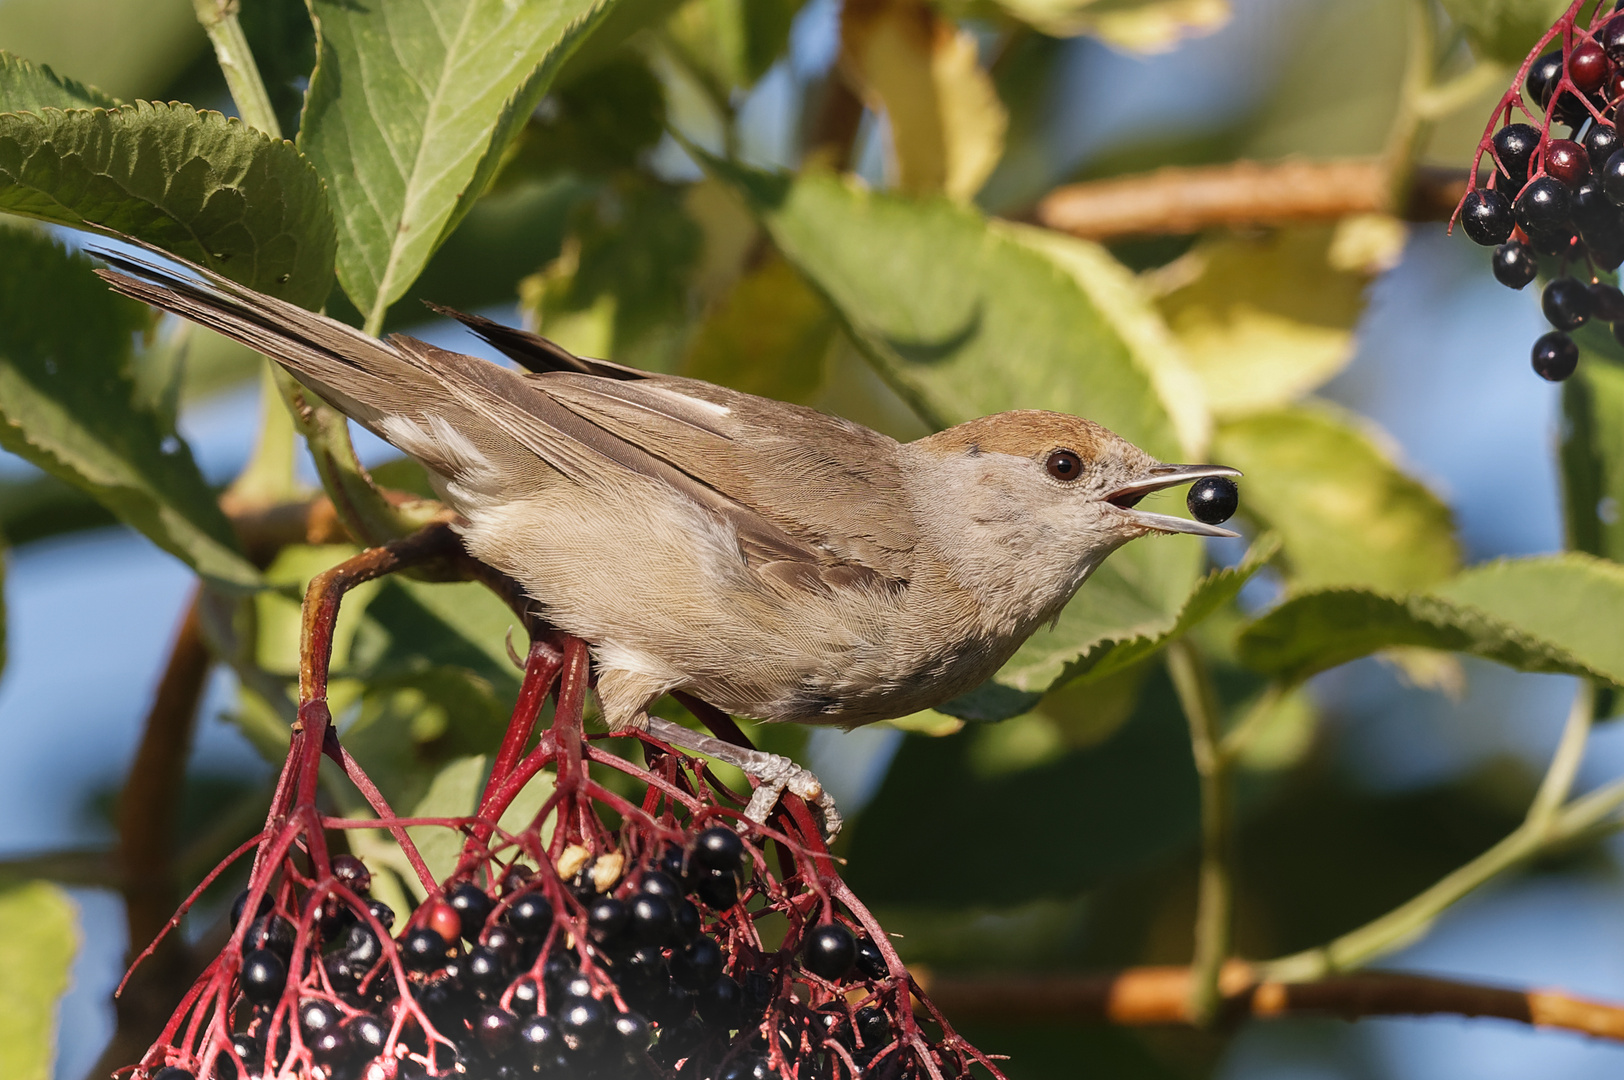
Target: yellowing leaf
1144 26
1263 321
947 124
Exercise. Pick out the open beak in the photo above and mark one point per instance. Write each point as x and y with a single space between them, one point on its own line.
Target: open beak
1165 476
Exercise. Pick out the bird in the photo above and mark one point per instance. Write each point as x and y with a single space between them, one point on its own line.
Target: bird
774 561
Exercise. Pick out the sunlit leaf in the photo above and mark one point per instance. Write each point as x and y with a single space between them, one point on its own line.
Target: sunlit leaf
39 935
411 106
1553 613
1593 458
199 184
29 87
68 404
1263 320
768 337
1145 26
1346 514
960 313
1124 614
946 122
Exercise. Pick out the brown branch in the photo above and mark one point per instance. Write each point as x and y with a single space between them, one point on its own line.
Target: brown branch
1239 195
1159 996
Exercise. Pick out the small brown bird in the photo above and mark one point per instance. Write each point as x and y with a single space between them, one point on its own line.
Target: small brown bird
774 561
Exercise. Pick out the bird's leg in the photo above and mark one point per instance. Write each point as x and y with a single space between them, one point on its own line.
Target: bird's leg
774 773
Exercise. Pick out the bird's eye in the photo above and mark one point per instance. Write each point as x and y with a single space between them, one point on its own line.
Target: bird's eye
1064 465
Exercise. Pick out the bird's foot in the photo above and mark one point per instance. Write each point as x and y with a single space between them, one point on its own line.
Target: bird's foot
774 774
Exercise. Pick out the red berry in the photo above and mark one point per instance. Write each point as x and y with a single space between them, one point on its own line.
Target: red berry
444 920
1567 161
1588 66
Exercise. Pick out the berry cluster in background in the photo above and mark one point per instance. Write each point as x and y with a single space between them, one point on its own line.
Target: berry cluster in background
1557 204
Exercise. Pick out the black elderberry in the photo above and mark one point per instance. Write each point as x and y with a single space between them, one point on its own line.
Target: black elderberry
1555 356
316 1016
680 1040
516 878
473 907
632 1031
1567 161
1486 216
531 916
670 1005
1567 303
272 932
651 920
1543 75
483 970
1544 204
575 986
1514 145
721 1004
830 951
697 964
1592 211
717 889
659 883
423 950
525 998
173 1072
263 976
741 1067
330 1046
583 1022
382 912
249 1049
1611 37
873 1027
1601 143
1213 499
352 873
1607 302
1553 242
241 902
672 864
870 961
686 917
501 940
541 1040
1607 253
719 848
1612 178
560 968
1514 265
366 1033
497 1030
606 921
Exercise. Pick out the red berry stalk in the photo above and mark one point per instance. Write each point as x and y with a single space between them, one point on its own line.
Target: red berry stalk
610 935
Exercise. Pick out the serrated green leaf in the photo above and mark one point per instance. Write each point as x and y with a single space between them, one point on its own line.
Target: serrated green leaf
1121 616
39 934
28 87
961 314
1552 613
410 109
1346 514
204 186
68 404
1593 458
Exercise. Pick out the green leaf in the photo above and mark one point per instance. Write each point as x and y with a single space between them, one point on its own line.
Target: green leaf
208 188
733 41
965 317
1345 512
410 109
129 48
26 87
454 793
1504 30
69 405
39 935
1593 458
1124 614
1552 613
769 336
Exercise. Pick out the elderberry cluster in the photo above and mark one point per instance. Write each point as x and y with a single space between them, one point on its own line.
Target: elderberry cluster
1561 201
639 975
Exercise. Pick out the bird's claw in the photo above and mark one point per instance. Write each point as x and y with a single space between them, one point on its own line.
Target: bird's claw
776 775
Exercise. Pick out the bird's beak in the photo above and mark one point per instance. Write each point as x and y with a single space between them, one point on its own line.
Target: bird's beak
1166 476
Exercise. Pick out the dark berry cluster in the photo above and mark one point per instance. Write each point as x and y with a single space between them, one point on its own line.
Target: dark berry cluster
607 940
1559 202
